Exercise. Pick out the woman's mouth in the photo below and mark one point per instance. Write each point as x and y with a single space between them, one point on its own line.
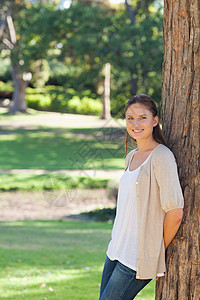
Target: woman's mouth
137 130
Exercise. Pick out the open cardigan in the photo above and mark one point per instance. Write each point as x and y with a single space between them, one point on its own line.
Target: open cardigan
158 190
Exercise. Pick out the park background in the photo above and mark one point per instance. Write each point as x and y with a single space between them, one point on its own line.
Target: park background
63 136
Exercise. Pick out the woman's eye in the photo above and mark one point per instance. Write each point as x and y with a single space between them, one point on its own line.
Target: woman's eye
143 117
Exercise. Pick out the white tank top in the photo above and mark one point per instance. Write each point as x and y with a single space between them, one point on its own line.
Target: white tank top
124 238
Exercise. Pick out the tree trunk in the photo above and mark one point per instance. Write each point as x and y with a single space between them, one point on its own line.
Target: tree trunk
131 12
133 86
19 102
106 94
180 110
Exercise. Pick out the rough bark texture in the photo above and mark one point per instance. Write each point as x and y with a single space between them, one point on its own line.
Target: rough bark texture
180 112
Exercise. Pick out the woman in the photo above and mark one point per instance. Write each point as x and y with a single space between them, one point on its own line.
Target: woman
149 207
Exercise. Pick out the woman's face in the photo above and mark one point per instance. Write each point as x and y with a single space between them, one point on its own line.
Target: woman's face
140 121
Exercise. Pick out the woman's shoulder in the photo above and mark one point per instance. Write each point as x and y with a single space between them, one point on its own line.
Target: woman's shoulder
129 154
163 153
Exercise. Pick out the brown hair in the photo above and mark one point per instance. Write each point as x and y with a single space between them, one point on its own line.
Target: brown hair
151 106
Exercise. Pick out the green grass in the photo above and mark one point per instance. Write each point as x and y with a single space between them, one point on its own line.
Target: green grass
28 182
53 149
54 260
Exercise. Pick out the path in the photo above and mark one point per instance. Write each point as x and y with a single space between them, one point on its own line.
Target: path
58 120
53 205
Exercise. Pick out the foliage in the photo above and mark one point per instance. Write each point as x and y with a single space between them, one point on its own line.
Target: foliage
5 71
58 99
38 101
40 70
78 41
101 215
84 106
138 56
6 87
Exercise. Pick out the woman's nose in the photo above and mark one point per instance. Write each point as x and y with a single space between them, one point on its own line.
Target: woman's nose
136 122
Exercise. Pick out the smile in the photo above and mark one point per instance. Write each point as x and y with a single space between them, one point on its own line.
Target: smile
137 131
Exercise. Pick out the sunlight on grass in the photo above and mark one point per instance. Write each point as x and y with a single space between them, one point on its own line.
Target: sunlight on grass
54 150
54 260
55 141
50 182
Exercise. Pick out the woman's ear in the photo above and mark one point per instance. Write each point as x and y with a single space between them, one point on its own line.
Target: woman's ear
156 120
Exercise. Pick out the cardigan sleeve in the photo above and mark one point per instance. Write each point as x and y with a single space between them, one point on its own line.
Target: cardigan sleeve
166 173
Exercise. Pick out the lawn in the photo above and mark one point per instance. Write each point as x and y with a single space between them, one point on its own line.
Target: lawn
53 141
62 260
54 260
30 144
31 182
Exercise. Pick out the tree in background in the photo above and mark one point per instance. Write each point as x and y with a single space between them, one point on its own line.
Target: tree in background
8 32
180 121
96 35
77 42
21 34
134 10
138 55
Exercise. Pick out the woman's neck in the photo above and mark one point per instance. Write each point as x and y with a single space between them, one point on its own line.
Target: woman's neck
143 146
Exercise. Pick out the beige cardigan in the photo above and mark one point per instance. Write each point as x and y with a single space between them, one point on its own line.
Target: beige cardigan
158 190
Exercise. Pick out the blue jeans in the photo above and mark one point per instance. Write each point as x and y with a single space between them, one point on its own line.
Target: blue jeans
119 282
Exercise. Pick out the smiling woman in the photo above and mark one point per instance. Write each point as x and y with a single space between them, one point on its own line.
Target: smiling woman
149 207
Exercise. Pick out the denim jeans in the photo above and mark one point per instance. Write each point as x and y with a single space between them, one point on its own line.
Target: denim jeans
119 282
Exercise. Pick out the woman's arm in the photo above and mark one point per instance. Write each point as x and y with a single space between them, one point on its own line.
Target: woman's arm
171 225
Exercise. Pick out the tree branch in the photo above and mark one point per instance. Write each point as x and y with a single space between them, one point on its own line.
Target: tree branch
8 44
11 30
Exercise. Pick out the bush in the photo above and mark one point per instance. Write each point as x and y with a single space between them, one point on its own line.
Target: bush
85 105
38 101
6 87
56 98
100 215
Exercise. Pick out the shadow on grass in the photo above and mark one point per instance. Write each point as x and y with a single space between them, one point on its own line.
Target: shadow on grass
53 259
83 284
96 215
49 182
54 149
67 256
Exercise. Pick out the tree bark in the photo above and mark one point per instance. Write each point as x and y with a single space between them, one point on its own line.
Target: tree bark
19 102
180 111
